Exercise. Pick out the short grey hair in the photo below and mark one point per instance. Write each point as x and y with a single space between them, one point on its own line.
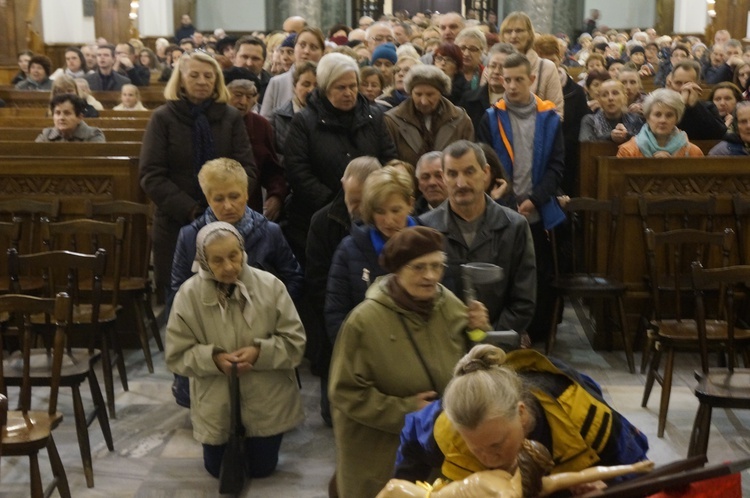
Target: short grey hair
428 158
427 75
245 85
333 66
384 24
502 48
666 97
474 33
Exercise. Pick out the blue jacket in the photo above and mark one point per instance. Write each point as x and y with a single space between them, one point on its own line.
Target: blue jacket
265 245
731 146
355 266
549 154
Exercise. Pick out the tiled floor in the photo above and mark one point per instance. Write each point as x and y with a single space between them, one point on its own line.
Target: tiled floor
156 456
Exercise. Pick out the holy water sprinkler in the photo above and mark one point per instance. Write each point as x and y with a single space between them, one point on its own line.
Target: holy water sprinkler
478 273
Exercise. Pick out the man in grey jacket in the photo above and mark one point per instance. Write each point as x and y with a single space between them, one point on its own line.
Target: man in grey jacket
477 229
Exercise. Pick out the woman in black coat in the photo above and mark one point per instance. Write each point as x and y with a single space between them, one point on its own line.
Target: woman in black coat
337 125
193 127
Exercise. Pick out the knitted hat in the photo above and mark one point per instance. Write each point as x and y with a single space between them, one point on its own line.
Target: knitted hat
385 51
427 75
289 41
637 49
408 244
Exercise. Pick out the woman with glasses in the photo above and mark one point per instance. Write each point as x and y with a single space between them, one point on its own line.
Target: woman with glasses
393 96
394 354
472 44
517 30
449 59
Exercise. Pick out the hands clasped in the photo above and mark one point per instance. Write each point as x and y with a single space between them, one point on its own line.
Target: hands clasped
245 358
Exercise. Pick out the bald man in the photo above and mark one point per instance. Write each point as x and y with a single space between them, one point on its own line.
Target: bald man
294 24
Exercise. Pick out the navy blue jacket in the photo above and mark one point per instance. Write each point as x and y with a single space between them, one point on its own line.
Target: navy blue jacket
264 243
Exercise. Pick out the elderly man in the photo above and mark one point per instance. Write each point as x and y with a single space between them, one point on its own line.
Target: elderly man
89 53
105 78
429 174
401 32
126 66
427 120
716 68
294 24
328 227
365 22
250 53
477 229
701 120
244 96
378 34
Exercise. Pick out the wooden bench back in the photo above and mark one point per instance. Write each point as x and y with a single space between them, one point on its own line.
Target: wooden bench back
111 134
44 122
68 149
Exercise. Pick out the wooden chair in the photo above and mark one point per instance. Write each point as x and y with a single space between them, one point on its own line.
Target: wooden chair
668 294
79 362
27 431
662 214
590 216
719 387
10 234
135 285
30 214
89 236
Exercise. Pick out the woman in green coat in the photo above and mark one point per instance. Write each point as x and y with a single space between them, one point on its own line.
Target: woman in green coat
394 354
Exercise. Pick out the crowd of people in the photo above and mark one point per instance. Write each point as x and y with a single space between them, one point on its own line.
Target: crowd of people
359 169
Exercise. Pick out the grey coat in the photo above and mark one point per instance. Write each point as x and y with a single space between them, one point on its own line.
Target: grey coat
503 239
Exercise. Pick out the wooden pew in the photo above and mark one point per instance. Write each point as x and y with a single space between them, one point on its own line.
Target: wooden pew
35 112
30 134
591 151
68 149
151 97
628 179
44 122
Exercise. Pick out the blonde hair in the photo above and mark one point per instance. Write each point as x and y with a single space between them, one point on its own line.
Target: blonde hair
482 388
130 86
221 170
174 90
61 82
382 184
524 19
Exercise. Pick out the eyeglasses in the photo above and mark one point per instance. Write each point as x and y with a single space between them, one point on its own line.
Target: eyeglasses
382 38
440 58
423 267
473 50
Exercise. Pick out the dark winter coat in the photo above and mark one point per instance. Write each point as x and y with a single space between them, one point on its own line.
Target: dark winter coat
168 176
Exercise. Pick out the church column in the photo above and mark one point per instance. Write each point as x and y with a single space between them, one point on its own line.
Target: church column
322 14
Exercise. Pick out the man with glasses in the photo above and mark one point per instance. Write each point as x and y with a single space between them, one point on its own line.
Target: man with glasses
477 229
378 34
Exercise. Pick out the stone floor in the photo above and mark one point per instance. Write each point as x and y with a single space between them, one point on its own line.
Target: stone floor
156 456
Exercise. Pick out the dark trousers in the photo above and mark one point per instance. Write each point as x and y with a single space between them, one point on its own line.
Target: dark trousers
545 273
261 456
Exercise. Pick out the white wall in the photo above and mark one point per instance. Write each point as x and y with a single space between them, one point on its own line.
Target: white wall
63 22
623 13
155 18
690 16
249 15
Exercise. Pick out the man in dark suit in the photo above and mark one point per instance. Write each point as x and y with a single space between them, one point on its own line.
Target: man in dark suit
105 78
125 65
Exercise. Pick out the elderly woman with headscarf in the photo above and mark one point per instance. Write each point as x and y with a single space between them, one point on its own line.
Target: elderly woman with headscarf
193 127
394 353
337 125
232 313
660 137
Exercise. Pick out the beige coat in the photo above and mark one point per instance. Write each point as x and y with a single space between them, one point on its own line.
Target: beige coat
375 375
197 330
548 87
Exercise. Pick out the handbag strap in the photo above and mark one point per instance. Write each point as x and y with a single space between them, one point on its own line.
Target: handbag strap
235 417
419 353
